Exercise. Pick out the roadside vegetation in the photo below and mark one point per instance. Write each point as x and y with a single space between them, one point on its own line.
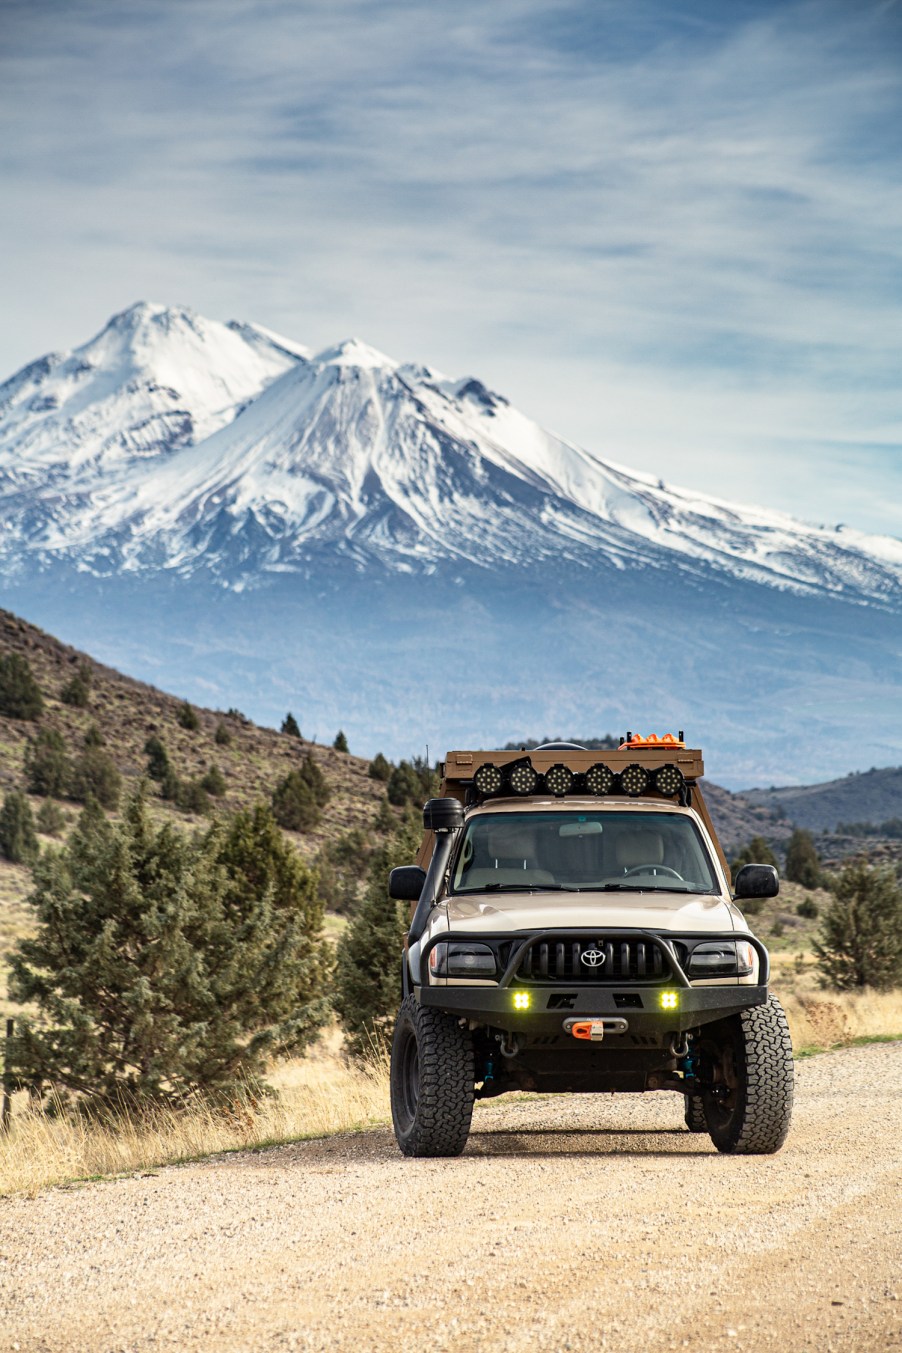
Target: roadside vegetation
188 902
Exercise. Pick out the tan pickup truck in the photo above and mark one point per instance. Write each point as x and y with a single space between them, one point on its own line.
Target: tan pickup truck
575 929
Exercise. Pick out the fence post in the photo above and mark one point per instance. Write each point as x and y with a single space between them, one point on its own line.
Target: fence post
6 1117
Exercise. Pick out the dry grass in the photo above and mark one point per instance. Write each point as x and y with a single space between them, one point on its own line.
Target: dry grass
318 1095
321 1094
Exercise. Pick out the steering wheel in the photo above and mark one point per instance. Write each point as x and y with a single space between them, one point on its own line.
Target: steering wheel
654 869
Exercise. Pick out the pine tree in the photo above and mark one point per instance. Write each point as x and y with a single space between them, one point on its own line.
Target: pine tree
18 842
50 819
379 769
368 971
861 933
404 786
157 759
756 852
290 726
341 743
186 717
48 770
77 690
222 737
20 694
164 967
802 862
95 776
299 798
214 782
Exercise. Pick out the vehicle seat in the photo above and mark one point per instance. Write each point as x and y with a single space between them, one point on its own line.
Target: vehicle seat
512 851
636 848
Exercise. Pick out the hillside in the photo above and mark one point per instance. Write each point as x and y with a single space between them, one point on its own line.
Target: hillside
873 796
128 712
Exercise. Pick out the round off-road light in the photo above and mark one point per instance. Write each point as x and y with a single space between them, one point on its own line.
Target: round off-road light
558 780
522 778
634 780
599 779
487 779
668 780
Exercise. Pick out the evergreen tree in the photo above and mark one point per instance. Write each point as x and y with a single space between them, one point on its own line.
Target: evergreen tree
20 694
756 852
298 799
77 690
157 759
404 786
222 737
18 842
94 737
164 967
369 956
802 862
50 819
48 770
861 932
290 726
95 775
186 717
341 743
380 769
214 782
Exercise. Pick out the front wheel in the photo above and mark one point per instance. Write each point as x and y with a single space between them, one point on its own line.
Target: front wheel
749 1104
432 1081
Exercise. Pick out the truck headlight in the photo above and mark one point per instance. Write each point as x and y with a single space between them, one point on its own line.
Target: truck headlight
462 960
723 958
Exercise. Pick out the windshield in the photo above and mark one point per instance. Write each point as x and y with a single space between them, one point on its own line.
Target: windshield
602 851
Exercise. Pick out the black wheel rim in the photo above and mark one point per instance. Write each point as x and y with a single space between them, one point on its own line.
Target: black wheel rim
409 1080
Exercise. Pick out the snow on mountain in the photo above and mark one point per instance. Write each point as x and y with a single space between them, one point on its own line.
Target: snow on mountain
177 443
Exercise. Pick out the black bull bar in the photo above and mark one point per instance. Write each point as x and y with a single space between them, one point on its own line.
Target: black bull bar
551 1002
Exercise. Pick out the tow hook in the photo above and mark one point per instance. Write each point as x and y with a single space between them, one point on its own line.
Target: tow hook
595 1029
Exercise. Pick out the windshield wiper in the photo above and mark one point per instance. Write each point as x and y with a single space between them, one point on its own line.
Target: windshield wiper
523 888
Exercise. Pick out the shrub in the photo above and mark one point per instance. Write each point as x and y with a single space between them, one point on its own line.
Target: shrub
95 776
48 770
18 842
860 943
77 690
20 694
380 769
808 908
214 782
341 743
94 737
802 862
290 726
50 819
192 797
165 967
369 955
222 737
157 759
186 717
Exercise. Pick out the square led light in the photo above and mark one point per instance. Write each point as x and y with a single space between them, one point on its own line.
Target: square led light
521 1000
669 1000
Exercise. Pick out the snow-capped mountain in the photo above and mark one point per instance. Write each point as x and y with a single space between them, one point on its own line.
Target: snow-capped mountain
174 442
383 549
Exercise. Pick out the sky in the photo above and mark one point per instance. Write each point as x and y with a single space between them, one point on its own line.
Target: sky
671 232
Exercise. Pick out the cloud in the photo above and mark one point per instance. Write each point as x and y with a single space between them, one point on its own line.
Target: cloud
668 229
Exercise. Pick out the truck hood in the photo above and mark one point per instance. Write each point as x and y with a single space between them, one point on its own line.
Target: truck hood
550 911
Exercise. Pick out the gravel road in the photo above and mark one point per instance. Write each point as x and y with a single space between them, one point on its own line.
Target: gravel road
578 1223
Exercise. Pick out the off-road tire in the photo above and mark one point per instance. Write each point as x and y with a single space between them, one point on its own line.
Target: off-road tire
432 1081
694 1114
754 1119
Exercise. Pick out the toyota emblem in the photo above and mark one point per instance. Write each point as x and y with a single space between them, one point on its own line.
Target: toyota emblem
593 958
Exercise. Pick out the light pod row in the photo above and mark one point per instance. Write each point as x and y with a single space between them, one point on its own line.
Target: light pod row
522 779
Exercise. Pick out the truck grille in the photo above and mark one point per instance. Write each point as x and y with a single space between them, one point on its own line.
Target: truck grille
624 960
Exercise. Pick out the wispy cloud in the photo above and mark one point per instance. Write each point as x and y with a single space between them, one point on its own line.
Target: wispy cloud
671 230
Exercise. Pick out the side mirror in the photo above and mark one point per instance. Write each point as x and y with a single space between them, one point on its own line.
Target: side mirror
756 880
406 883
